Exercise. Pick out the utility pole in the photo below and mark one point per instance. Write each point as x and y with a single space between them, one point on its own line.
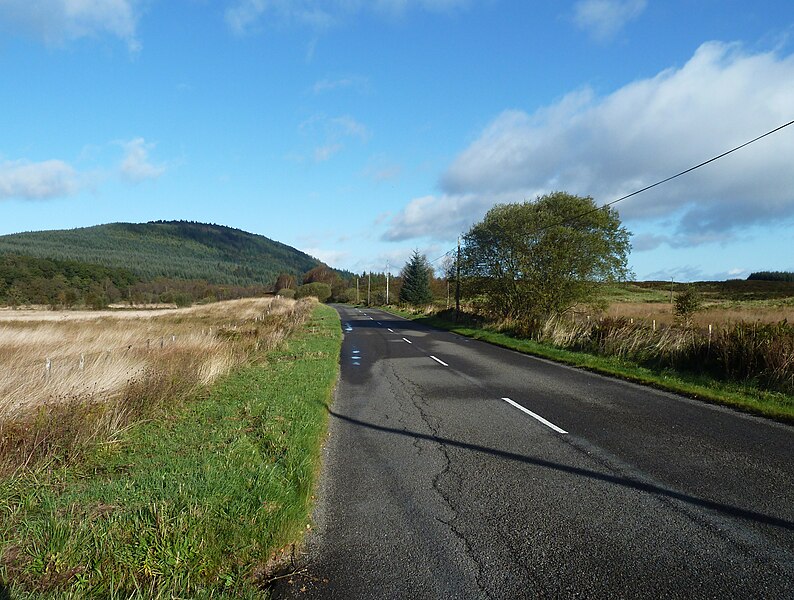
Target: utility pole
387 283
671 291
369 286
357 300
457 285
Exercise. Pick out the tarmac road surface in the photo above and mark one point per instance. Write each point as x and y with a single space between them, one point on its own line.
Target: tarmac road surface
456 469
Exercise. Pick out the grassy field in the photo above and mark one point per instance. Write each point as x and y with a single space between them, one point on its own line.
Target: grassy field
724 302
197 499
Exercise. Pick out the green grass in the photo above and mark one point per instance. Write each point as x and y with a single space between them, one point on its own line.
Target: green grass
735 292
631 292
774 405
192 505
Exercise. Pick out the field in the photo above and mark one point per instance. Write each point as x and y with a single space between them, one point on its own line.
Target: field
151 484
724 302
101 371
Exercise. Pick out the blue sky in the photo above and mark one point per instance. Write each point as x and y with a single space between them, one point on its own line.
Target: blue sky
359 130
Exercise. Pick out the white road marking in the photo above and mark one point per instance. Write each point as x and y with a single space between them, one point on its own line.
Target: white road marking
407 340
535 416
390 330
439 361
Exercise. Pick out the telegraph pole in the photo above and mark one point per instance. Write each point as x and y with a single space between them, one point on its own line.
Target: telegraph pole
387 283
357 300
457 285
369 286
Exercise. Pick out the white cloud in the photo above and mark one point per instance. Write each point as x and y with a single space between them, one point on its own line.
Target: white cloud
647 130
332 258
688 273
244 15
329 85
604 18
384 172
347 126
323 153
37 181
136 166
650 241
437 217
57 21
333 131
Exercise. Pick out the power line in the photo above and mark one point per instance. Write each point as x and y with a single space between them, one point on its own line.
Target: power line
447 253
665 180
647 187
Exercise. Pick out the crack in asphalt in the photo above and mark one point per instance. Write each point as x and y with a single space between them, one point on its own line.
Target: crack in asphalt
420 403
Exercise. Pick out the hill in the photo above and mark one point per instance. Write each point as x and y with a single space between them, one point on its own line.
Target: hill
170 249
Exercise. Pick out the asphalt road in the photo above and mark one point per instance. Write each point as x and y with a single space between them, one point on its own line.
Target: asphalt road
436 486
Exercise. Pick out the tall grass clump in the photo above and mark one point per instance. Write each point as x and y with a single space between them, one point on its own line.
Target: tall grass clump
761 354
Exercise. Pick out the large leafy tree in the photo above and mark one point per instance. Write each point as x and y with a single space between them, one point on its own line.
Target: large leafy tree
532 260
416 280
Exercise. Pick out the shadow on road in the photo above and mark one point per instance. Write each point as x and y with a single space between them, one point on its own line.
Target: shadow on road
725 509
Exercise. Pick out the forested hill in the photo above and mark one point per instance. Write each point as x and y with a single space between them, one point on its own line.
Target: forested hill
172 249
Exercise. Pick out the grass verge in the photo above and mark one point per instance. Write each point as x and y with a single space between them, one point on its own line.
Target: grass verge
195 504
774 405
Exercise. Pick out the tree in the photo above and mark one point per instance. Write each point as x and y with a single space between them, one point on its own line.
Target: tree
416 280
321 274
284 281
321 291
532 260
687 303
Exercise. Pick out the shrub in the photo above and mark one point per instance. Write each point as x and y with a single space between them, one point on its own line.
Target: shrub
687 303
321 291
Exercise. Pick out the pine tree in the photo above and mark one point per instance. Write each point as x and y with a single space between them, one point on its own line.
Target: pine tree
416 280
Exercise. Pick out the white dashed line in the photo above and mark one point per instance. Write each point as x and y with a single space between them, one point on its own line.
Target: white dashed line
535 416
390 330
439 361
407 340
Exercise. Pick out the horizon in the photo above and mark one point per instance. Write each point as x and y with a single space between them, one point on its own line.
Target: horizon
394 273
357 132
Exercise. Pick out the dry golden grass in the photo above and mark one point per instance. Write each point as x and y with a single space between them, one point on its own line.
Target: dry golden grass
96 355
735 350
710 314
73 379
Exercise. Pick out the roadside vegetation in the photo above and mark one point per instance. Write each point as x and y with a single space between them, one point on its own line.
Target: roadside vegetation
666 360
179 465
549 278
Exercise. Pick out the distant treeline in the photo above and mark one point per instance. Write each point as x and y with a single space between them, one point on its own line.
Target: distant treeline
69 283
771 276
